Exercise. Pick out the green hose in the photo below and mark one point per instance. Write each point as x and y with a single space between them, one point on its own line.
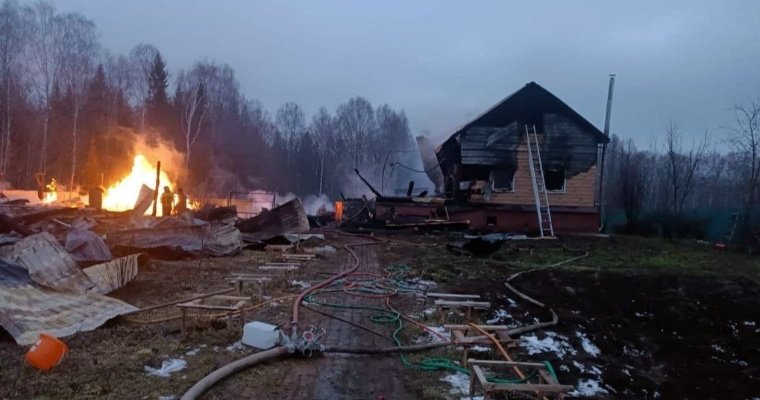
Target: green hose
386 316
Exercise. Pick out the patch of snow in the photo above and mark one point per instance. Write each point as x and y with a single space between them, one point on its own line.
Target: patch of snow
428 312
459 381
512 303
593 370
587 388
564 368
630 351
167 367
588 347
326 249
643 314
480 349
430 337
170 397
235 347
718 348
748 323
193 352
740 363
498 316
419 283
301 284
551 343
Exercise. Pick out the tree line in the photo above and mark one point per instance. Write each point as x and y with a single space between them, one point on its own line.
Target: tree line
682 178
69 110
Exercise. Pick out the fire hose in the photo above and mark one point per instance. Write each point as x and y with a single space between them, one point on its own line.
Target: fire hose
430 364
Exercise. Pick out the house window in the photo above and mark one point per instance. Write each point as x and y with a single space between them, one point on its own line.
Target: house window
502 180
554 180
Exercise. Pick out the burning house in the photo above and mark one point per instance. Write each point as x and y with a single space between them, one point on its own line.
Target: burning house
529 152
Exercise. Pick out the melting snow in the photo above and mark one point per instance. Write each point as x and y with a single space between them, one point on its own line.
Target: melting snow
167 368
301 284
460 382
588 387
748 323
431 337
718 348
193 352
552 342
235 347
480 349
588 347
498 316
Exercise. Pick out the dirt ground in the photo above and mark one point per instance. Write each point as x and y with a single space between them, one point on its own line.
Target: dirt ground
670 320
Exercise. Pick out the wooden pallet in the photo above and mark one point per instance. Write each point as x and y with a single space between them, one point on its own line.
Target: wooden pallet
231 305
468 306
542 385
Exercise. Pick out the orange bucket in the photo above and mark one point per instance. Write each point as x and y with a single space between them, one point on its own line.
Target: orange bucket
46 353
338 211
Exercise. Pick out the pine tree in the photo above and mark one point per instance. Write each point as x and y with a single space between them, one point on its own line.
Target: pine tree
158 101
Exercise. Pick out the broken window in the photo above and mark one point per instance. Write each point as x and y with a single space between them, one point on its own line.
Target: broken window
502 180
554 179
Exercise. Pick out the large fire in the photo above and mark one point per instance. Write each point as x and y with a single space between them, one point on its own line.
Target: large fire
122 195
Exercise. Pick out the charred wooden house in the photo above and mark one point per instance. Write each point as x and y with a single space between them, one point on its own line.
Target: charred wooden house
529 152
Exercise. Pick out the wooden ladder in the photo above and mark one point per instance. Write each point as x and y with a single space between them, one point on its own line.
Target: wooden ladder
543 212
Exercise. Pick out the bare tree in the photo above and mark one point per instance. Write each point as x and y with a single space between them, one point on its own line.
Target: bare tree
193 104
141 57
632 182
682 167
78 49
12 41
746 141
43 63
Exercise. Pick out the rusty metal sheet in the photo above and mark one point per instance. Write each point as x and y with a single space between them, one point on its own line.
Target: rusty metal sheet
114 274
27 309
216 239
49 264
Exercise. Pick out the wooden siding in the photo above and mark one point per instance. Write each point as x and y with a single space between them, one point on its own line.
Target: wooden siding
579 190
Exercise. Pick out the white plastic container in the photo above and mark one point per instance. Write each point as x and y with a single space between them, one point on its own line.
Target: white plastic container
260 335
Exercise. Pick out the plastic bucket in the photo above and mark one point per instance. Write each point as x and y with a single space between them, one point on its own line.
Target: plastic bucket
46 353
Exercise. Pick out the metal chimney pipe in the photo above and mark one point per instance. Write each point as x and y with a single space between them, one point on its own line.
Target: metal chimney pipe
609 106
607 117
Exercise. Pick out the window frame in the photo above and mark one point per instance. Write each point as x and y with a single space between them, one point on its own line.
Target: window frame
492 182
564 181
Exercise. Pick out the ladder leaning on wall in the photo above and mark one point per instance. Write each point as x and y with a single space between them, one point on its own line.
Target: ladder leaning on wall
543 212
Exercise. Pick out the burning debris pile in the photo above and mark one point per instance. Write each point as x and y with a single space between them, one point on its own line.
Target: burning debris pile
58 262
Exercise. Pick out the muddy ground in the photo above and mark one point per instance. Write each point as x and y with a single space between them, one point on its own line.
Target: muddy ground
670 321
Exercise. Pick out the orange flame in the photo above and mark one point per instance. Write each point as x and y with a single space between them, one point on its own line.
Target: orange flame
122 195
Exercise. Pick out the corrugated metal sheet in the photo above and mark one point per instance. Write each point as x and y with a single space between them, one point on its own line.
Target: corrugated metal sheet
216 239
287 218
114 274
49 265
27 309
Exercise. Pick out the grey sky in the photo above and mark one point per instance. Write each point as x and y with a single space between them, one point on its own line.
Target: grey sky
446 61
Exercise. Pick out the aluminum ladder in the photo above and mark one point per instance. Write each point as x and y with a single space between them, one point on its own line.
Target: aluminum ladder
543 212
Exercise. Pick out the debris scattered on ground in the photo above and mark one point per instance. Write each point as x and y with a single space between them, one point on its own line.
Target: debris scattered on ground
167 368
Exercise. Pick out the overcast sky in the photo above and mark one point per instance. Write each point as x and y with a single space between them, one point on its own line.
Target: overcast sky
444 62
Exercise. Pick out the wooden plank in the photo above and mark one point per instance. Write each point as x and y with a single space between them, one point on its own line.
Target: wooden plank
532 387
453 303
452 295
207 307
272 268
452 327
474 361
482 378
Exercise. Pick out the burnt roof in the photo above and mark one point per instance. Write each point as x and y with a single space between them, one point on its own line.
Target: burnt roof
529 104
